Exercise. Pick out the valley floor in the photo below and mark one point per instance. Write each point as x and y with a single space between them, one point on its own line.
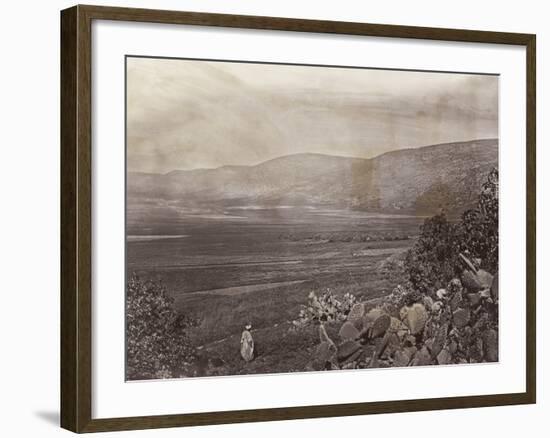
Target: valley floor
225 274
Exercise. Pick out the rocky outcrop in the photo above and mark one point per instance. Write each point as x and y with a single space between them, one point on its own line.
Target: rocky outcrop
458 325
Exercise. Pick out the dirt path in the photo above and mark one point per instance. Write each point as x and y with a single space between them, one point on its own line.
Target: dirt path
239 290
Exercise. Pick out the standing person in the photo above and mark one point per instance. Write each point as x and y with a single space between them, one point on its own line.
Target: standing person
247 344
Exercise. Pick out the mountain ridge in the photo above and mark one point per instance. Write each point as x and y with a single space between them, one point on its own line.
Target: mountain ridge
422 180
396 151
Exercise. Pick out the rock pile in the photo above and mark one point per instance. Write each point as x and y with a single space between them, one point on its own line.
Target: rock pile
459 324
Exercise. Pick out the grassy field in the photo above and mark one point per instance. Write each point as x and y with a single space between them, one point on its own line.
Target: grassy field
259 265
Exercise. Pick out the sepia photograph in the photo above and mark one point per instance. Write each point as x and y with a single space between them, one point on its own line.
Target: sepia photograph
285 218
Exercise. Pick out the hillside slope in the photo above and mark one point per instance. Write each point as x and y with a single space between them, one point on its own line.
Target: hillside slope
421 180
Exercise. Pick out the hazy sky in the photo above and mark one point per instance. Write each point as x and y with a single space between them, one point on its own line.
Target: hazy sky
197 114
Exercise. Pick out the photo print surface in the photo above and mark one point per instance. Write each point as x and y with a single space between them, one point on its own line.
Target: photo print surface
291 218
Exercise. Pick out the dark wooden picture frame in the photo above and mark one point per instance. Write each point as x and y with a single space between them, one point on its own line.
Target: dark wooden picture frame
76 218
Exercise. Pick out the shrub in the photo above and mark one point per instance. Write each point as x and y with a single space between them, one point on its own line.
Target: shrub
325 308
479 226
155 335
433 260
401 295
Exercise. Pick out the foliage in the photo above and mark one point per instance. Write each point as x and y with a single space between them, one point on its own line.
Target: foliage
325 308
401 295
415 325
479 226
393 267
155 334
431 263
433 260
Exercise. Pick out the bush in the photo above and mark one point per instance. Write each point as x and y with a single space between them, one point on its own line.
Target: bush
155 334
433 260
479 226
325 308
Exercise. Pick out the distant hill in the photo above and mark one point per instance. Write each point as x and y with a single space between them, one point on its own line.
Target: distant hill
420 180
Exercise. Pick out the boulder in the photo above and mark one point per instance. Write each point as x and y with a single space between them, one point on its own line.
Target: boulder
346 349
348 365
397 327
401 358
394 344
416 317
461 317
452 347
441 294
484 278
410 351
325 351
348 331
380 326
444 357
485 293
474 299
440 339
368 321
475 350
422 357
355 356
381 344
470 281
372 316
